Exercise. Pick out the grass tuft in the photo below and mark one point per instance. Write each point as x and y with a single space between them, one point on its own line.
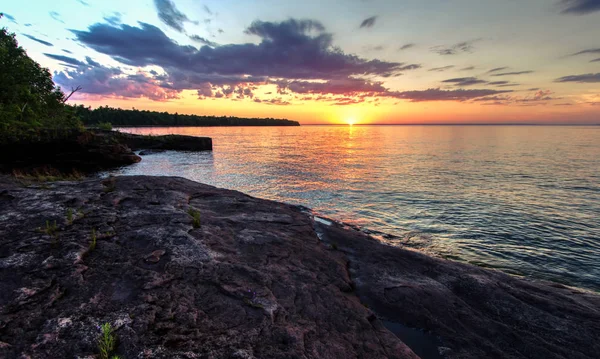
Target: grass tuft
195 214
93 242
51 228
107 341
69 215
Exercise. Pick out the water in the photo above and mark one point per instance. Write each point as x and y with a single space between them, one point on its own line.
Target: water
522 199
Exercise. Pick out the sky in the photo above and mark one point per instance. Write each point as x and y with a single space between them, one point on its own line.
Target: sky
321 61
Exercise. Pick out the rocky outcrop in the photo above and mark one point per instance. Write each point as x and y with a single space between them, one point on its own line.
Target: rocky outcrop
166 142
185 270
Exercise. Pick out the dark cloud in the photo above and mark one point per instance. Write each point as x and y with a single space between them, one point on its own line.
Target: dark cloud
465 81
513 73
596 60
461 47
296 49
38 40
9 17
579 7
369 22
56 16
65 59
82 2
441 69
407 46
170 15
498 82
445 95
66 51
91 62
114 18
337 87
497 69
203 40
207 10
586 78
539 97
469 68
28 25
587 51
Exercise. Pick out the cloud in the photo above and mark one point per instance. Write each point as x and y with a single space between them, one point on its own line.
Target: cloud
513 73
469 68
82 2
170 15
66 51
38 40
587 51
596 60
498 82
461 47
441 69
579 7
294 49
65 59
114 18
465 81
497 69
56 16
203 40
105 81
368 22
537 98
9 17
586 78
444 95
407 46
337 87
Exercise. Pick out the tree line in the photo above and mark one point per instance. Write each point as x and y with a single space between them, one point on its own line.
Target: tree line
138 118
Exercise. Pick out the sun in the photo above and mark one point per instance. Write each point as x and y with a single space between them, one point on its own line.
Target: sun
350 121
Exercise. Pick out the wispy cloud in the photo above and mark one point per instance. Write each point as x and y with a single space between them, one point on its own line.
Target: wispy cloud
82 2
465 81
203 40
9 17
407 46
114 18
461 47
38 40
441 69
368 22
56 16
585 78
468 68
445 95
170 15
587 51
596 60
579 7
66 59
515 73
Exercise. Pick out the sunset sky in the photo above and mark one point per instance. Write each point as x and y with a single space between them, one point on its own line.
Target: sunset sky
319 61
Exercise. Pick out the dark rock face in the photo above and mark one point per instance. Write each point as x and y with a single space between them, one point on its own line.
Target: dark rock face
253 281
81 151
166 142
477 313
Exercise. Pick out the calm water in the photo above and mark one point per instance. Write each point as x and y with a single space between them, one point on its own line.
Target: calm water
525 200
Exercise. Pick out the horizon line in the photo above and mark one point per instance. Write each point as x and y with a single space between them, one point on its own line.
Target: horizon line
450 124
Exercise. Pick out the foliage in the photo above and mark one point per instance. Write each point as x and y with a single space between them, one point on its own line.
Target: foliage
195 214
31 106
94 239
51 228
107 341
106 126
132 118
69 215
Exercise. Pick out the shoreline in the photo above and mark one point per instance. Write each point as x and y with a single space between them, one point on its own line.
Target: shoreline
289 272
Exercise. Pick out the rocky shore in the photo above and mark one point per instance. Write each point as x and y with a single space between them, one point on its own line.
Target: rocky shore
185 270
89 151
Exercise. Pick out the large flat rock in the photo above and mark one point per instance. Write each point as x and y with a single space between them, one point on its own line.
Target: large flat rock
254 280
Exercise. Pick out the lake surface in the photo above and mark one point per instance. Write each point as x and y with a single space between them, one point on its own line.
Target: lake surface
523 199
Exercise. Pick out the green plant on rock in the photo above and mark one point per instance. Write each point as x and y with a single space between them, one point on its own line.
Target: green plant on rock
93 242
107 341
106 126
70 215
51 228
195 214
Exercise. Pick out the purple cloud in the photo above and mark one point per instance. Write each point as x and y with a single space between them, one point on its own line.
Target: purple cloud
368 22
465 81
586 78
444 95
441 69
407 46
170 15
579 7
461 47
38 40
513 73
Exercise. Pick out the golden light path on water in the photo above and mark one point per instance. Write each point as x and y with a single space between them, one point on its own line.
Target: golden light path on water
524 199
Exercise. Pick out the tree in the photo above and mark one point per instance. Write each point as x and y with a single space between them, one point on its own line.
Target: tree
29 100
